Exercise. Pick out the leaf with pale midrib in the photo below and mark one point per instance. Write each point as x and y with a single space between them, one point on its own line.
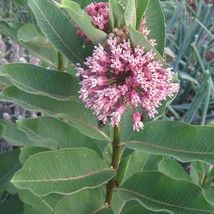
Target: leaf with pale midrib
64 171
160 193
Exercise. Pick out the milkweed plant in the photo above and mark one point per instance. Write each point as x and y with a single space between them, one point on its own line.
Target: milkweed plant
100 143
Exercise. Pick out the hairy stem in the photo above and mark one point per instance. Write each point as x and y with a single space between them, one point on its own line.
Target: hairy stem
115 163
60 62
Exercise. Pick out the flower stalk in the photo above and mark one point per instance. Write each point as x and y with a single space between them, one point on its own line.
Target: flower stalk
60 62
114 164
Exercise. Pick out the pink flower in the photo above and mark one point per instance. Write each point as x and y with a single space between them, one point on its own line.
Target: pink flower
99 13
138 124
118 76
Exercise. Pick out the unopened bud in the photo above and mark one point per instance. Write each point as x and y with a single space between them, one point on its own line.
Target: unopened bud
125 29
112 35
120 33
115 30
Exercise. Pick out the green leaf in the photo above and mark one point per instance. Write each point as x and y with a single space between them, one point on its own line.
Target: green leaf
27 151
158 192
83 21
176 139
133 206
84 3
173 169
48 55
64 171
38 80
40 205
141 6
61 134
9 164
70 204
116 14
12 205
209 195
155 22
137 38
132 164
29 33
75 112
16 137
60 31
130 13
21 2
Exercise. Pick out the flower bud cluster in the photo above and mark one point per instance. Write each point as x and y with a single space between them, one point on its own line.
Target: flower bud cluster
99 13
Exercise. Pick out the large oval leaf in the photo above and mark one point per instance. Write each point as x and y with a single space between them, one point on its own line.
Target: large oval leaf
161 193
184 142
60 30
64 171
38 80
75 112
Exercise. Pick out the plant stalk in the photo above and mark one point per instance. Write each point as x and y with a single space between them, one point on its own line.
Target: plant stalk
114 164
60 62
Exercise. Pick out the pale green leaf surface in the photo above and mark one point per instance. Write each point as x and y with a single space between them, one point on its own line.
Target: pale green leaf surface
132 164
75 112
130 13
117 19
38 80
27 151
141 6
158 192
156 23
48 55
209 195
40 205
16 137
182 141
64 171
29 33
60 31
89 204
173 169
64 135
133 206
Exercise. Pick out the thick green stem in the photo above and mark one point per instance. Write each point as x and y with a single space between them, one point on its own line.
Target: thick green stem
60 62
115 163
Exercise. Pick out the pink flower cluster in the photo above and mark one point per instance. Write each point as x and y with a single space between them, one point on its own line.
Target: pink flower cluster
119 75
99 13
